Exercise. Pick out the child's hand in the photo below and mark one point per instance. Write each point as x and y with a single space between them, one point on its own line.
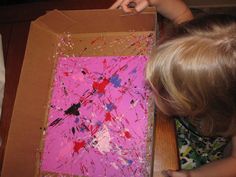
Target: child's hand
139 5
175 10
172 173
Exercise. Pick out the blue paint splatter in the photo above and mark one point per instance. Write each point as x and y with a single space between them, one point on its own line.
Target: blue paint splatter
82 129
99 123
76 120
129 161
110 107
133 71
115 80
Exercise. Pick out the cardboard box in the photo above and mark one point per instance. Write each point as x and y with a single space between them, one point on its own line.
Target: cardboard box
65 33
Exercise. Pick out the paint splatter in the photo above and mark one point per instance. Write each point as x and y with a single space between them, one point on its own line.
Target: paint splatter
103 139
77 120
100 87
73 110
134 71
73 130
115 80
93 128
55 122
110 107
127 134
79 145
108 117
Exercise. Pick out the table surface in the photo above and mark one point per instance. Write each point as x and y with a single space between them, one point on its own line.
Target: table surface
14 27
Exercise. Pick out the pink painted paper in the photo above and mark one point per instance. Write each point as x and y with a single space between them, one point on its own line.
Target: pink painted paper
98 117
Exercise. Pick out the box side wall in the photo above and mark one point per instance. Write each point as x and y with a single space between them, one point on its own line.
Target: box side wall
97 21
30 105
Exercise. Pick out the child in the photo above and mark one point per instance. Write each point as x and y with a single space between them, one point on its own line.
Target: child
175 10
193 75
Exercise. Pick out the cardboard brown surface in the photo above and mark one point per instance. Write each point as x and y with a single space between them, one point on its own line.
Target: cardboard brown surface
64 33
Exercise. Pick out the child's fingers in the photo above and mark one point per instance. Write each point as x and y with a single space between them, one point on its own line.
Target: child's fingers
141 5
171 173
116 4
165 174
125 5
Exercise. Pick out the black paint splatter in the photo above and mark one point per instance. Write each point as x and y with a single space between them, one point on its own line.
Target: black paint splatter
65 91
132 102
55 122
42 128
73 110
73 130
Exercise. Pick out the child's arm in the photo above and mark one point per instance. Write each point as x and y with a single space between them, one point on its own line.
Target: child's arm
222 168
175 10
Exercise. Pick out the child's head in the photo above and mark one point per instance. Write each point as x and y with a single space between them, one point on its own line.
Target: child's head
193 74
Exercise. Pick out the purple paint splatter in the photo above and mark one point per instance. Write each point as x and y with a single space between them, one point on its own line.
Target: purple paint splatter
97 124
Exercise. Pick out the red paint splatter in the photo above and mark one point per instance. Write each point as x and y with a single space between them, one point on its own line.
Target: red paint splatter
124 67
92 42
127 134
108 116
105 63
66 74
142 106
100 87
93 129
126 120
78 145
123 90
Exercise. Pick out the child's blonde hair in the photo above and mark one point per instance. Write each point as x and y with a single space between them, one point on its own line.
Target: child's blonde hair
194 74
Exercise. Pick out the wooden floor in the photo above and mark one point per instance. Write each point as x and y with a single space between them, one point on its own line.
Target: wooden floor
14 27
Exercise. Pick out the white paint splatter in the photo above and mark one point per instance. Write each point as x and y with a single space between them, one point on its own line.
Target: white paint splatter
134 104
114 165
103 139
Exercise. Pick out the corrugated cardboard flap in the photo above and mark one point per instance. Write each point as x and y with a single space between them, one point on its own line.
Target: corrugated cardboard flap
96 21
